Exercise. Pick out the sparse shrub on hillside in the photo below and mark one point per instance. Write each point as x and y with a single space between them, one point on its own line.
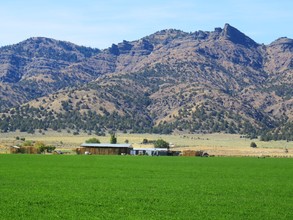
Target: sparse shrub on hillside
145 141
253 145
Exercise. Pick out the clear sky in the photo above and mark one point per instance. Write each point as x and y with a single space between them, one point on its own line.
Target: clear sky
99 23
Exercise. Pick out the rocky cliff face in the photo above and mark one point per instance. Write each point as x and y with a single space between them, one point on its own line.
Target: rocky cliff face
172 73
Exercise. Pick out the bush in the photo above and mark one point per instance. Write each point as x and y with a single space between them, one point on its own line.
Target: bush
93 141
50 149
253 145
27 143
160 143
40 146
43 148
113 139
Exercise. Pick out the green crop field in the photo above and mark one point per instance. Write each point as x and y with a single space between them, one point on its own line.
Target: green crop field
128 187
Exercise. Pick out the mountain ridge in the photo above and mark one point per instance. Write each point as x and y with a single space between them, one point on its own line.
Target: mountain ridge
177 76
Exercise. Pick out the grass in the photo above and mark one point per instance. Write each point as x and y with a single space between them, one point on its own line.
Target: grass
125 187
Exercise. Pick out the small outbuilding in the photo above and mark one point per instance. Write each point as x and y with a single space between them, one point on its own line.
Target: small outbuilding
14 149
104 149
150 151
24 150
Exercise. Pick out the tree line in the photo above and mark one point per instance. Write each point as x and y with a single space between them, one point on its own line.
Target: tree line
30 119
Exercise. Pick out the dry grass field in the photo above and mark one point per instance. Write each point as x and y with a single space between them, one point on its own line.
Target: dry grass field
215 144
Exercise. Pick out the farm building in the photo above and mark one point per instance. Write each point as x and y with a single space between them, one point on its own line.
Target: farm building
150 151
23 150
104 149
14 149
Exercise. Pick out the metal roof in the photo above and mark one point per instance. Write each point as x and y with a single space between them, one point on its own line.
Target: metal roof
15 147
107 145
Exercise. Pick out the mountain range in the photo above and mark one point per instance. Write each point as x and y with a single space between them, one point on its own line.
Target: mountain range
170 81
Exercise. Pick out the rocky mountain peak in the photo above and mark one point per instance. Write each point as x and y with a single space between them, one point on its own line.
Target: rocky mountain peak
50 48
237 37
284 43
165 36
283 40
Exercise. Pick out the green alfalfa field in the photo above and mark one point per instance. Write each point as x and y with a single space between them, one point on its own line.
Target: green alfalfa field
141 187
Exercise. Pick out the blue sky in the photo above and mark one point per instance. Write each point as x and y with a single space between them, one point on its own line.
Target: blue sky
101 23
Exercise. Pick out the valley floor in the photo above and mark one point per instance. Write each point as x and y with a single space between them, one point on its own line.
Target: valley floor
214 144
